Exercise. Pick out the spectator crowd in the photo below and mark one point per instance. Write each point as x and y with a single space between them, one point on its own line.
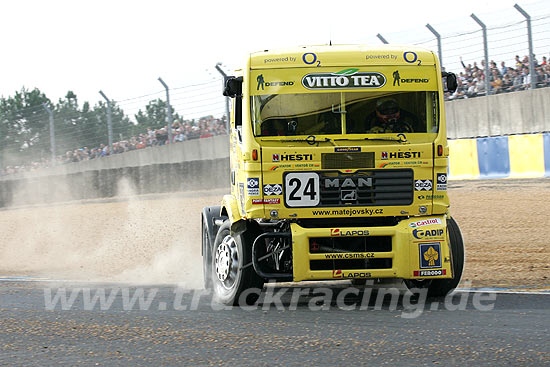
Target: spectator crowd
502 79
181 131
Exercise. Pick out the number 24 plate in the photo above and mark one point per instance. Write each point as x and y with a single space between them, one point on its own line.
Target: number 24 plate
302 189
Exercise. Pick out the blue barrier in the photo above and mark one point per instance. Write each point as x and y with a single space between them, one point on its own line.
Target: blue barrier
493 157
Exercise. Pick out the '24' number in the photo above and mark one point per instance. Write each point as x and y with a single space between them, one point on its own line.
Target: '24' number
308 190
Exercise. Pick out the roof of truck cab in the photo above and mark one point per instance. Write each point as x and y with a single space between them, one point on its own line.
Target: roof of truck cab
341 55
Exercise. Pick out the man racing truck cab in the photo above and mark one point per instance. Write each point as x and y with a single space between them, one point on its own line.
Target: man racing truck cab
338 171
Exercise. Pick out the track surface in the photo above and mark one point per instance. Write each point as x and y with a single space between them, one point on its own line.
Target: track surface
515 332
153 240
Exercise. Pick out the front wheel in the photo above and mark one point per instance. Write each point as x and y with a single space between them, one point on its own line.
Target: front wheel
229 279
441 287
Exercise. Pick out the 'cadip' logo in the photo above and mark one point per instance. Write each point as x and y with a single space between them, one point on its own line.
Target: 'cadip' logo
344 79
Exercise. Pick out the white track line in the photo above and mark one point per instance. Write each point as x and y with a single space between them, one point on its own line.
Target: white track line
48 280
499 292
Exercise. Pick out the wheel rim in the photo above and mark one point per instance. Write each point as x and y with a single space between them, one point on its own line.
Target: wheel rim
227 262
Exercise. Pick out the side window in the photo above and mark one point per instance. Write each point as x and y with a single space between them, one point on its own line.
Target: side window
234 89
238 115
238 106
433 122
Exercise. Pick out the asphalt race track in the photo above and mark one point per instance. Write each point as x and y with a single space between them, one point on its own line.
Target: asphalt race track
514 332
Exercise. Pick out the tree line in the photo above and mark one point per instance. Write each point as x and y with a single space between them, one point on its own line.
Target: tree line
25 127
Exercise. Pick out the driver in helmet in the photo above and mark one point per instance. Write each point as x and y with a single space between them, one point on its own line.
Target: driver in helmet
389 118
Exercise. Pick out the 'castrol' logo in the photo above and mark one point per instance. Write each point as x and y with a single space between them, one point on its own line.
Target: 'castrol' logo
425 222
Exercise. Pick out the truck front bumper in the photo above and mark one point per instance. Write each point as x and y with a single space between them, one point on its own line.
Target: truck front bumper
415 248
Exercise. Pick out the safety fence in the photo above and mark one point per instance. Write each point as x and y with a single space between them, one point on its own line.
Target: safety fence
513 156
199 164
106 183
523 112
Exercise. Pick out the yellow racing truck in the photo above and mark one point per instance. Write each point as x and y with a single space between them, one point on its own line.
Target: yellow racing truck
338 171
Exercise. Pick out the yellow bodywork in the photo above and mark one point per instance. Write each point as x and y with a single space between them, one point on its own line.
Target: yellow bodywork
406 252
286 73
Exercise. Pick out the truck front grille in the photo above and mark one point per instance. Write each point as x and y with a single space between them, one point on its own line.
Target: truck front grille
340 251
350 264
339 244
347 160
364 188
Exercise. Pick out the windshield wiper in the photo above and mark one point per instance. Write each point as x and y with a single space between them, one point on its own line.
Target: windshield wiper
386 138
311 140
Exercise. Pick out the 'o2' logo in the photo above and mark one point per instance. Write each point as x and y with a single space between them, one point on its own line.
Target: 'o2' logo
309 58
411 57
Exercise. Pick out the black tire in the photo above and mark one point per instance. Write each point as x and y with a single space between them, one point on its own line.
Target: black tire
229 280
441 287
206 255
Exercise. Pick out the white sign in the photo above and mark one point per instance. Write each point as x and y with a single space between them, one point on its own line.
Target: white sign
302 189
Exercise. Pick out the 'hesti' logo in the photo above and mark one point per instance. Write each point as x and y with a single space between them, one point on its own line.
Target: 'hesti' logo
344 79
275 158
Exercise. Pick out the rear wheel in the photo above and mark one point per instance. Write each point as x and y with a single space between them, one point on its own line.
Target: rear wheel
229 280
441 287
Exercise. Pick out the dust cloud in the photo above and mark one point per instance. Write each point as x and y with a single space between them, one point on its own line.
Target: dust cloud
148 239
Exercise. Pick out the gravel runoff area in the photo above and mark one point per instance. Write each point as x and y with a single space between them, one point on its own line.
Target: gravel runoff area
156 238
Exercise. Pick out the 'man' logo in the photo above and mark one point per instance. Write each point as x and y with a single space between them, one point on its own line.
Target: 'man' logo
348 182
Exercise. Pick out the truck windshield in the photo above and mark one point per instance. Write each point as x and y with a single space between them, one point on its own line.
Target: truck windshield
344 113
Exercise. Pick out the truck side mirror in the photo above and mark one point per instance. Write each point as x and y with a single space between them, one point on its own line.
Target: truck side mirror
233 87
450 81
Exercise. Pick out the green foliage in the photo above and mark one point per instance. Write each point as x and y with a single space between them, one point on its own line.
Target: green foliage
154 115
25 128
